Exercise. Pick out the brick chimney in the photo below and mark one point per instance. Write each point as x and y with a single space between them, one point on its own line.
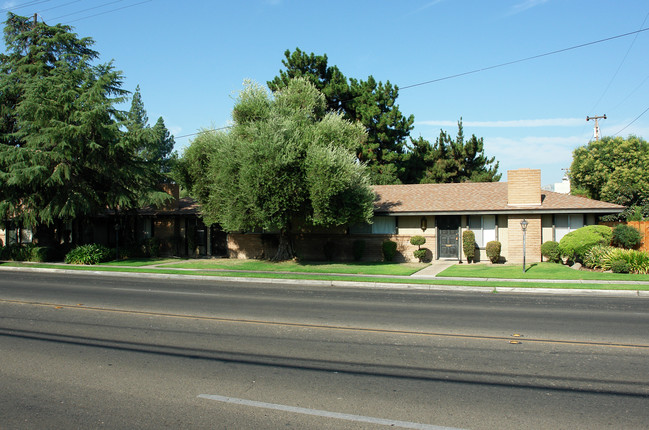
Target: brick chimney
524 187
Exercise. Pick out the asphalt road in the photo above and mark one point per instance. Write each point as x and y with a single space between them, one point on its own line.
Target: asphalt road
85 351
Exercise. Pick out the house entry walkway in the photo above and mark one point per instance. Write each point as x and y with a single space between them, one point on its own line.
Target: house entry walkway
435 267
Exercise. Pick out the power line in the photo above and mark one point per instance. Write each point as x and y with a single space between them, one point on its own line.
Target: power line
493 67
20 6
59 6
621 63
109 11
636 118
203 131
509 63
85 10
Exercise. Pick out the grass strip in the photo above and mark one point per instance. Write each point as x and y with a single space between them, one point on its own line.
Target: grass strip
351 278
550 271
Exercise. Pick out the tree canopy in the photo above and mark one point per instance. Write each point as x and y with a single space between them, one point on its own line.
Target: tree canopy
615 170
387 152
155 144
371 103
63 151
285 162
451 160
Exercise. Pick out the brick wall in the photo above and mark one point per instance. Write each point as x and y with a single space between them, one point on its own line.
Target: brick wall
532 239
524 187
311 246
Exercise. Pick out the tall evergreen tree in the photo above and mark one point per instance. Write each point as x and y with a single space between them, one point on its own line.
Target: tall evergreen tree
62 151
155 144
451 160
371 103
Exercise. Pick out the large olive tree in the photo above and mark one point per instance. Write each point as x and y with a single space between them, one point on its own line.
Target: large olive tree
285 160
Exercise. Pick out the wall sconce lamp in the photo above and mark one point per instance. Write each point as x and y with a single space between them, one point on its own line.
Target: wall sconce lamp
424 223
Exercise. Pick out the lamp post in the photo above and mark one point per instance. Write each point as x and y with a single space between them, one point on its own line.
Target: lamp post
524 224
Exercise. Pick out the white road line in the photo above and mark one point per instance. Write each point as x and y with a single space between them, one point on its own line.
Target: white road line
326 414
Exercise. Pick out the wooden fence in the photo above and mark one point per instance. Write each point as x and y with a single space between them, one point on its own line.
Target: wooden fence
641 226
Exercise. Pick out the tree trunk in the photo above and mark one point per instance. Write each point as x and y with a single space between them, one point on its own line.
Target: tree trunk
285 247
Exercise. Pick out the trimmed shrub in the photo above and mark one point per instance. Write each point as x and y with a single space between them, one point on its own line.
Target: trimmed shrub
329 249
389 249
468 245
550 250
493 251
358 249
576 244
417 241
625 236
620 266
88 254
419 254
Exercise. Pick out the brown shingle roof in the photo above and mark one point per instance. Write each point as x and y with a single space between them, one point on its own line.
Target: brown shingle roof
473 197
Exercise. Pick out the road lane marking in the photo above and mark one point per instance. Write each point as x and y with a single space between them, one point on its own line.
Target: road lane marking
325 414
322 326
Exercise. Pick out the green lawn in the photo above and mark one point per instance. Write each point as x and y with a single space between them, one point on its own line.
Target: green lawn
492 285
140 262
534 271
361 268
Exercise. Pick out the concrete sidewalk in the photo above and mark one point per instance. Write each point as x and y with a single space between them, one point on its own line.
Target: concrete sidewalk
435 267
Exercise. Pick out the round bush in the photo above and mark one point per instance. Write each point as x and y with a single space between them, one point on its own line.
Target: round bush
88 254
576 244
625 236
420 254
417 240
493 251
389 249
550 250
468 245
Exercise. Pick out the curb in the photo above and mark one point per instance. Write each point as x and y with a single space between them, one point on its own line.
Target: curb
369 285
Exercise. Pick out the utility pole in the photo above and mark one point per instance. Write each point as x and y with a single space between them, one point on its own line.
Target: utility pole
596 118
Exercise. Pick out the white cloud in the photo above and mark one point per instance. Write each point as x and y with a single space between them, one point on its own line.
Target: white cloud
549 122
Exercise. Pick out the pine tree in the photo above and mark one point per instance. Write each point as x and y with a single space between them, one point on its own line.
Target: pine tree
371 103
62 149
451 160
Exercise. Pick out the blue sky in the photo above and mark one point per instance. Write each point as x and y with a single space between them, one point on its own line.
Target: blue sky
190 59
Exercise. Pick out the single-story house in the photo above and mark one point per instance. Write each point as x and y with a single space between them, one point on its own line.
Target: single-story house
439 212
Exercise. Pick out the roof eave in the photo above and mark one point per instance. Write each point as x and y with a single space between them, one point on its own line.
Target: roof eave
502 212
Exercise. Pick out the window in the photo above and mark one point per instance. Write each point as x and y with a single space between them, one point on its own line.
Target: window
564 224
484 228
380 225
